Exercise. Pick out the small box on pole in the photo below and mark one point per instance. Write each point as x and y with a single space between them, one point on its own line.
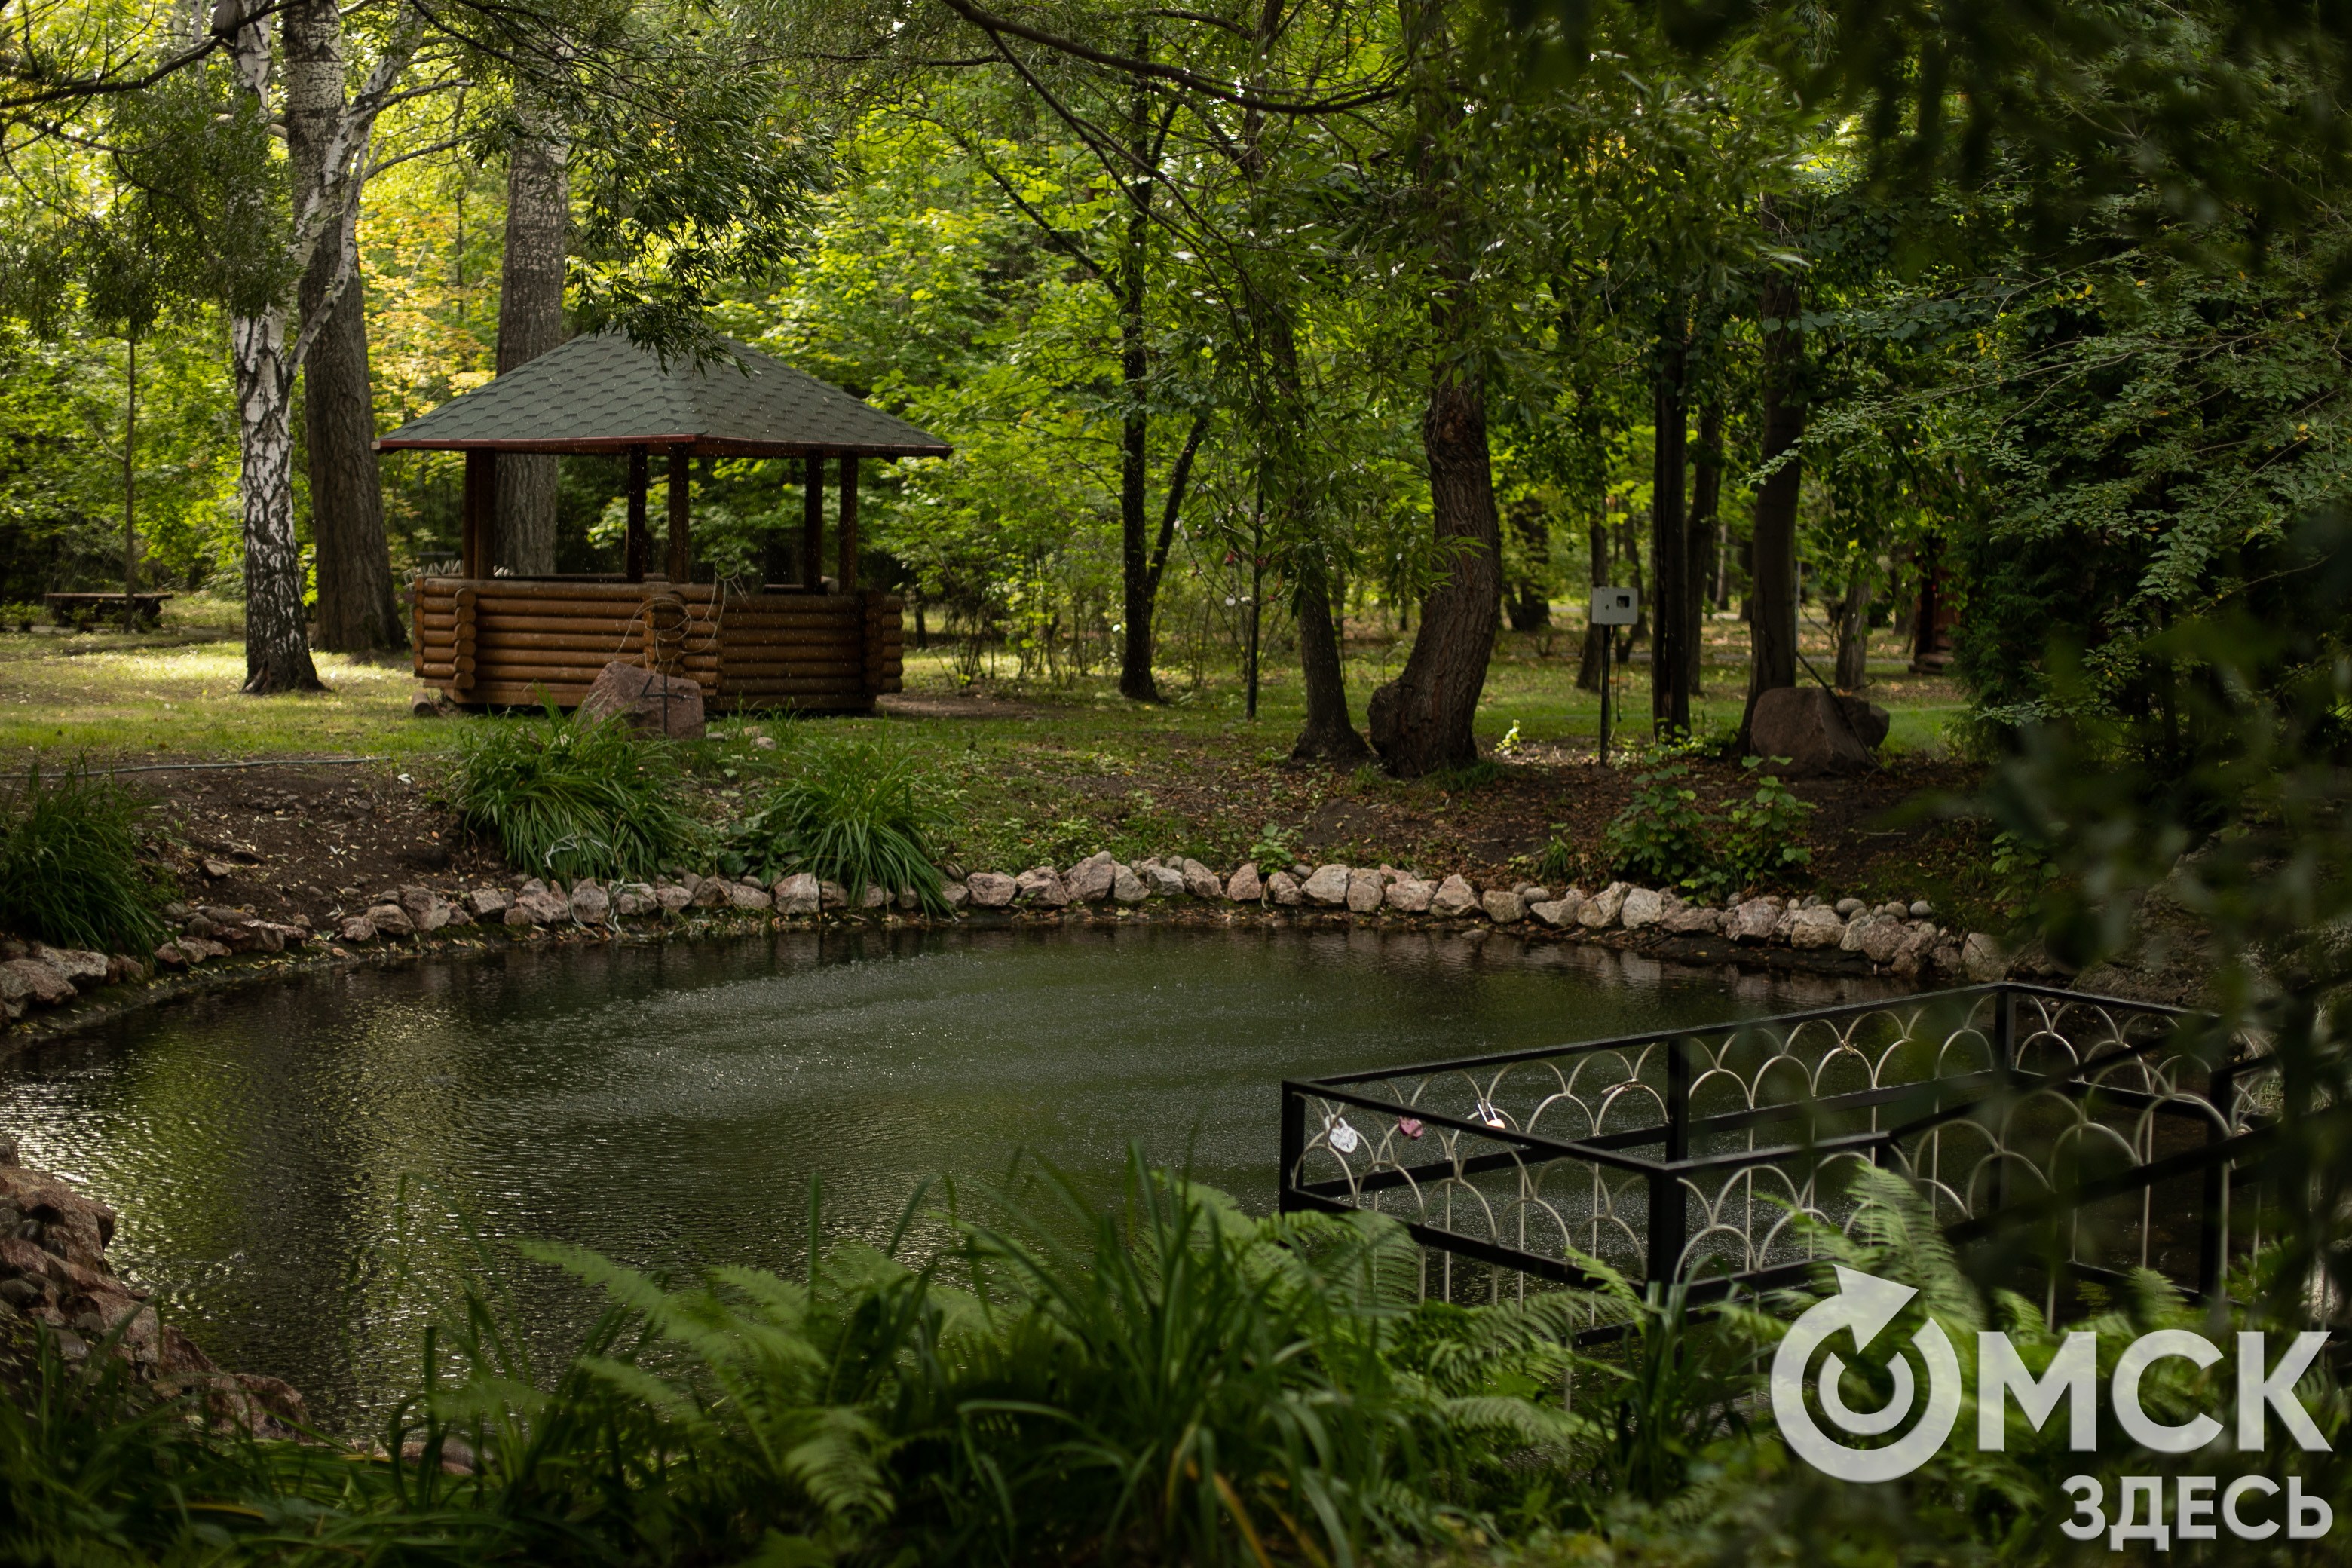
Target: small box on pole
1611 607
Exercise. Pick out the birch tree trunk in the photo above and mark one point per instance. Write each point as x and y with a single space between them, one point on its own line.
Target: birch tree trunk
263 365
531 320
277 655
356 606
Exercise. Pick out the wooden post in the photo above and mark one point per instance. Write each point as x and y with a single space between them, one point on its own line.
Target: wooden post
477 545
847 527
681 560
633 547
813 524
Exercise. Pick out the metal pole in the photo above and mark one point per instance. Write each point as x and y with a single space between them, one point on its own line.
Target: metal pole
1608 652
1669 1209
131 472
1294 1146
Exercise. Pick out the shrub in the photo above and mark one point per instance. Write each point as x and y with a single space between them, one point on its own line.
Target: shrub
574 797
1660 837
1665 838
69 871
852 813
1764 835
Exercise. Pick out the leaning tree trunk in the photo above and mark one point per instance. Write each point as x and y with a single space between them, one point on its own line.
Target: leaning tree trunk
356 609
531 320
1328 734
1421 721
1669 534
1772 577
277 658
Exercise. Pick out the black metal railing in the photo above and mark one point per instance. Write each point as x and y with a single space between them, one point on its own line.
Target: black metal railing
2123 1126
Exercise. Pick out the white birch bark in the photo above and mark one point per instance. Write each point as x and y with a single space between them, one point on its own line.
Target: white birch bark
264 365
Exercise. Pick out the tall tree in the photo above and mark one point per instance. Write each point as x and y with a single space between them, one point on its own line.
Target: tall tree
1670 525
1421 721
531 313
356 610
264 362
1772 610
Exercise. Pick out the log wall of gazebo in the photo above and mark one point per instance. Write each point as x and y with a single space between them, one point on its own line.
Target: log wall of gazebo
524 641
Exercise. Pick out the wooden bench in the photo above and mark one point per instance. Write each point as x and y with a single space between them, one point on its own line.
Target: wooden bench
78 610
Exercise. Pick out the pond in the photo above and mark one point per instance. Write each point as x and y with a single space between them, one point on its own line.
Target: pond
302 1171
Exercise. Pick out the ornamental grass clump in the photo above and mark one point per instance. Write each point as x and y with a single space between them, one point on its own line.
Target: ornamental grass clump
69 869
574 797
851 811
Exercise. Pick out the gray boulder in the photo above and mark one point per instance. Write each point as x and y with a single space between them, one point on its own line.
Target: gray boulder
1328 886
1600 910
591 905
1409 895
798 894
1365 890
391 920
1089 881
1981 959
990 889
1126 887
1818 927
1453 899
672 896
1168 881
746 895
1041 885
1642 907
1283 888
1504 907
1201 882
1245 886
1691 920
487 903
1753 920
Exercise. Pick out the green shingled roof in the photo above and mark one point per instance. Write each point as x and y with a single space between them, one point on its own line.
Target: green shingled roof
597 393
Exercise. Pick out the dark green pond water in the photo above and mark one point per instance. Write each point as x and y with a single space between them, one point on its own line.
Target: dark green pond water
296 1169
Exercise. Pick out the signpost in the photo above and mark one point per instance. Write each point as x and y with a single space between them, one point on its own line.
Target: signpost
1612 608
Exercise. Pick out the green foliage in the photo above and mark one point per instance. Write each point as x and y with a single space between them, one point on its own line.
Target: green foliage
574 797
852 812
1660 839
1276 848
70 869
1763 838
1666 837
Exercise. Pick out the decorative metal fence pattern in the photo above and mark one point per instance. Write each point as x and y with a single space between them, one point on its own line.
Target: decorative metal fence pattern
1692 1152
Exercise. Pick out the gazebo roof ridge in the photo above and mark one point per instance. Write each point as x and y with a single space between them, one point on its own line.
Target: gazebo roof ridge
600 393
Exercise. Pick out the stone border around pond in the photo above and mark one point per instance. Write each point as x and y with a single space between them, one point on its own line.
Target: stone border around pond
48 992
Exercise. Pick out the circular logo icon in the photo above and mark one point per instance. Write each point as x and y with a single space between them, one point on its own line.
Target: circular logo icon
1864 1305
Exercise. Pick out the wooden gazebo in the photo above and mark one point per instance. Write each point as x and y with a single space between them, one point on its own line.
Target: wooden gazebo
817 643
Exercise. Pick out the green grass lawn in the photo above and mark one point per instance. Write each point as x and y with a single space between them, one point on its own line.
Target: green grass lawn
1040 773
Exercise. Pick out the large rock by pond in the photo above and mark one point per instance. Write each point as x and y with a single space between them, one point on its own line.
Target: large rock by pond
1808 732
54 1272
656 704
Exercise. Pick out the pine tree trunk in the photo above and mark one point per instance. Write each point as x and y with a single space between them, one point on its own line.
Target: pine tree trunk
277 658
356 610
530 322
1670 533
1772 618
